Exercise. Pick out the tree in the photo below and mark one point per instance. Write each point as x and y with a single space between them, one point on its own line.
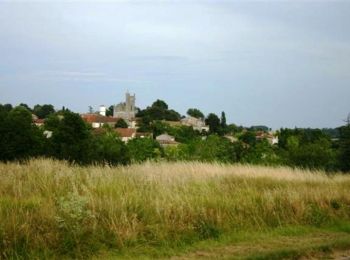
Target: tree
214 123
214 148
142 149
91 110
25 106
43 111
223 123
109 111
159 127
19 138
72 139
194 112
121 123
108 148
249 138
344 146
160 104
6 108
159 111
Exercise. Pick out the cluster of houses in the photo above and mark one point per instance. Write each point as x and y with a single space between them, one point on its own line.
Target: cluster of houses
127 111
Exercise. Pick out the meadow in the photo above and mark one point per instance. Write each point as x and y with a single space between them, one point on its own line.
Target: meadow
52 209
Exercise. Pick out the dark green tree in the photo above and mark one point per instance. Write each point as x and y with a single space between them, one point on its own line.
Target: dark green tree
160 104
109 111
213 122
194 112
26 107
223 123
249 138
108 148
141 149
121 124
6 108
43 111
344 146
72 139
19 137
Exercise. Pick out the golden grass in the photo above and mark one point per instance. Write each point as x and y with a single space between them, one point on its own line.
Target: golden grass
51 208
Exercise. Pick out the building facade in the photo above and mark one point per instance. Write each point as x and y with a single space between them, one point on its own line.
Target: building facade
126 110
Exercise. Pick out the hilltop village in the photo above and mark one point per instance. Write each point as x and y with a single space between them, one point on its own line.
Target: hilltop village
126 123
123 133
126 120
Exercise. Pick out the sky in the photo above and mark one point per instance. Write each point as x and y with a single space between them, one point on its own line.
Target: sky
274 63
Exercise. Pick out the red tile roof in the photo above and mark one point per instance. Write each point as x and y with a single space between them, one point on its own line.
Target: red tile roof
96 118
39 121
126 132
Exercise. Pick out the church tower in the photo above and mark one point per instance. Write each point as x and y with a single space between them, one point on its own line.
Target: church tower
127 109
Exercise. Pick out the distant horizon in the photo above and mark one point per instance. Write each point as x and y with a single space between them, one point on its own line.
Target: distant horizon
96 110
274 63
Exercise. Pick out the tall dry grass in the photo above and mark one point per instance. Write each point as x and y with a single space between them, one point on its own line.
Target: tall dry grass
50 208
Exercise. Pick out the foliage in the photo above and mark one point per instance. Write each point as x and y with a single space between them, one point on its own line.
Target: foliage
121 123
142 149
213 122
43 111
19 138
344 149
110 110
309 148
159 111
71 140
259 128
194 112
108 148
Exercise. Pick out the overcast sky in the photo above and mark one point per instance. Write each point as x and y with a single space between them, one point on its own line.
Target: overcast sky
278 63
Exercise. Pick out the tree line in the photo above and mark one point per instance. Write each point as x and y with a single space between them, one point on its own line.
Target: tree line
73 140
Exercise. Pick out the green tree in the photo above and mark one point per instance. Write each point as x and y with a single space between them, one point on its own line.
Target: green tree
159 111
5 108
72 139
344 146
19 137
43 111
25 106
248 137
160 104
194 112
141 149
215 148
213 122
108 148
121 124
109 111
159 127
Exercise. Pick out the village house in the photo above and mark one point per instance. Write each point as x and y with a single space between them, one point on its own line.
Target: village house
196 123
270 137
166 140
126 134
97 120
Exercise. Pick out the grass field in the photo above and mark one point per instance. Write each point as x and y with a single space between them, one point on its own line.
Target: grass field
49 209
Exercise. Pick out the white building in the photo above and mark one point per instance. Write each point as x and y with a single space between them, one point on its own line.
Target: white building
196 123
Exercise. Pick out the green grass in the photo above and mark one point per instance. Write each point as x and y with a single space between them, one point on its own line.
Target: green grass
49 209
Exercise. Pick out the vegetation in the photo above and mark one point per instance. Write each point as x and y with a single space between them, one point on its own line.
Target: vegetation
121 124
51 209
194 112
159 111
71 139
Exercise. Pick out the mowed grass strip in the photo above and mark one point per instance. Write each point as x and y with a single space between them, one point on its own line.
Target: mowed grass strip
52 209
